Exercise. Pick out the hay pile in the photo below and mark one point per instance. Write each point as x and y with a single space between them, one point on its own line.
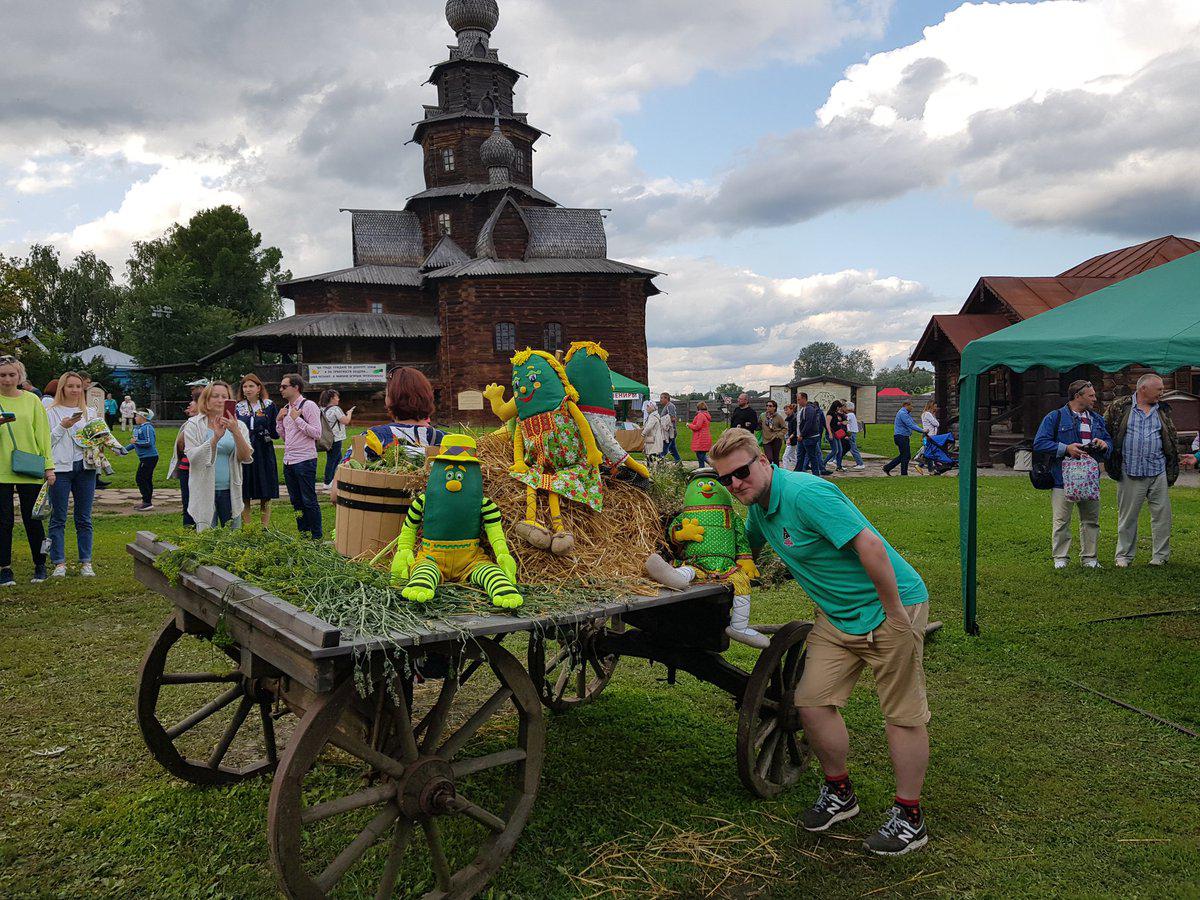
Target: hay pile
610 547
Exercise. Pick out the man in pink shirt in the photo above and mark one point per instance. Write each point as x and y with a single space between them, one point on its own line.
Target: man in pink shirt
300 426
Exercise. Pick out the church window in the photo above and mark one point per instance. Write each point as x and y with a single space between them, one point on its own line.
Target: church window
506 337
552 337
519 162
448 160
443 221
377 307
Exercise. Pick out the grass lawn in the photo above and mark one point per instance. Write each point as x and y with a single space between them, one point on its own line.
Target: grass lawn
1035 788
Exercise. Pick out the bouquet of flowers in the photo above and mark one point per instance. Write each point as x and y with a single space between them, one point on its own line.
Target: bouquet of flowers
95 438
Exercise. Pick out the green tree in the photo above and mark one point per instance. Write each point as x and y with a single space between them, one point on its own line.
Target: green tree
918 381
197 285
728 389
79 302
827 358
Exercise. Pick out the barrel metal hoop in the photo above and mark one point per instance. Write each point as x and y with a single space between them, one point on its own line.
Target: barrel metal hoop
345 487
395 509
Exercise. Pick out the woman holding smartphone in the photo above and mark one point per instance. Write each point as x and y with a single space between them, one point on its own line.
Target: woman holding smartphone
260 478
26 429
216 445
73 480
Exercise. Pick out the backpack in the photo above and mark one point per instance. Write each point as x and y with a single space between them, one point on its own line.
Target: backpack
1041 476
325 441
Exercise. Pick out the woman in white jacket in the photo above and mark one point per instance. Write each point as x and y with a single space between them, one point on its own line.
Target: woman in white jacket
654 431
216 445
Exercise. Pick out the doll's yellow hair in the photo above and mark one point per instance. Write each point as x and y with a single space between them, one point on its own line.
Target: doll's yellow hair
523 356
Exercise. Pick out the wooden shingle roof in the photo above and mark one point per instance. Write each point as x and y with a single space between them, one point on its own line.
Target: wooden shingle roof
386 237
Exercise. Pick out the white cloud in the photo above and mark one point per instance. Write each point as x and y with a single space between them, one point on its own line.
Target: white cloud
718 323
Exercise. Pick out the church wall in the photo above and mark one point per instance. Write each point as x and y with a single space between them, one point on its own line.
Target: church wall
464 137
323 297
611 310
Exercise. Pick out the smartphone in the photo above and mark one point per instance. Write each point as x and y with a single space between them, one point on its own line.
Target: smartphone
7 417
231 408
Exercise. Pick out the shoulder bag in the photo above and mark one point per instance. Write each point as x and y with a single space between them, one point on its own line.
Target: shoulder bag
1041 476
29 464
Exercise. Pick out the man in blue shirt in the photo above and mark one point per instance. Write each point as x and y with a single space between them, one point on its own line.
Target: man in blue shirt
1149 464
810 425
1073 431
904 427
871 610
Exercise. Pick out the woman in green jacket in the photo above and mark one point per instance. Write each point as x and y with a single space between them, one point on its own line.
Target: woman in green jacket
28 432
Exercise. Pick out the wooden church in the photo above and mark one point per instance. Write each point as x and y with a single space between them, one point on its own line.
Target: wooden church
477 265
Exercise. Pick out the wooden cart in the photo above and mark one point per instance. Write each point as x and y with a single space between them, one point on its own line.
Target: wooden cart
431 744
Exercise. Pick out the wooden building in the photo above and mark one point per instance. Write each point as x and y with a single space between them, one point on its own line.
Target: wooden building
1014 403
478 264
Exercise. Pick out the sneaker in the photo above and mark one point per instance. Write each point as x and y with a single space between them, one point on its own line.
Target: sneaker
6 578
1092 564
829 809
1060 564
897 836
145 507
860 468
86 570
1158 562
1122 564
60 571
39 574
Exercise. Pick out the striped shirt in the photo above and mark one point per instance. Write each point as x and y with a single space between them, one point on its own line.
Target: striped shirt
1143 449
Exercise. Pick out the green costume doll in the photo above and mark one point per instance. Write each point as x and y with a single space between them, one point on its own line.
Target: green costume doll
710 541
553 447
587 368
451 514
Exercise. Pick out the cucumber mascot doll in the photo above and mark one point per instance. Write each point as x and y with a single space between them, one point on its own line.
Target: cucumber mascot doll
553 448
452 513
711 543
587 368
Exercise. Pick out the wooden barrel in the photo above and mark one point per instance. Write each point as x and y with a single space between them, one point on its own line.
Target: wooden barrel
370 506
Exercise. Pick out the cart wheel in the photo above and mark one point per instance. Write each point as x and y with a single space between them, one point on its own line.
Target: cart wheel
461 781
771 748
187 681
567 668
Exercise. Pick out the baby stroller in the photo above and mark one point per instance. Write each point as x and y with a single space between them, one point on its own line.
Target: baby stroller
938 454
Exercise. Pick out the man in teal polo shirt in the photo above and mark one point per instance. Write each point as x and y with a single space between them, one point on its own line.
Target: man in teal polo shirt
872 608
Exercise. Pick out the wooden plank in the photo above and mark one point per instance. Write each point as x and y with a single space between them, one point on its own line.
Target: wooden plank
291 618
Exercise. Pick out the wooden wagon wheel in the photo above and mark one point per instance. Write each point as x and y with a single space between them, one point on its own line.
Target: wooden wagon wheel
566 666
194 747
425 780
771 748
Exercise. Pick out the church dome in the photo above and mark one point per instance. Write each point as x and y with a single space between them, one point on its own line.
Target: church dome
472 14
498 150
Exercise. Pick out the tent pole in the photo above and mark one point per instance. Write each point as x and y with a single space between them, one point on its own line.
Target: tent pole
968 497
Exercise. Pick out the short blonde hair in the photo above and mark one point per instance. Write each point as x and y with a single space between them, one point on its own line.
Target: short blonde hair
22 375
206 394
733 440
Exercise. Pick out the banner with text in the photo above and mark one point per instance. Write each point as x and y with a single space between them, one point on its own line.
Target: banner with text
347 373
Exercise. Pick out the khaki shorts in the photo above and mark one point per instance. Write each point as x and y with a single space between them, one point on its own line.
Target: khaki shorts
835 659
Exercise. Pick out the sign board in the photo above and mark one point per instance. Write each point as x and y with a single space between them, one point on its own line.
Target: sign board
470 400
622 395
347 373
781 394
95 400
823 393
864 405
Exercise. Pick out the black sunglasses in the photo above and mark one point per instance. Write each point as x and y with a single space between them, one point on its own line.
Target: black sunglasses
741 473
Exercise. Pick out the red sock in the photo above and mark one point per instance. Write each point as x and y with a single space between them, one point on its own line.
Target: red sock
911 808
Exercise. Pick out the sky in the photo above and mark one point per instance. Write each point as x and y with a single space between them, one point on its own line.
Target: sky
802 169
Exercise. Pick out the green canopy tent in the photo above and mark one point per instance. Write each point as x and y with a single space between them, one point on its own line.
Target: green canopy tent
1151 319
627 389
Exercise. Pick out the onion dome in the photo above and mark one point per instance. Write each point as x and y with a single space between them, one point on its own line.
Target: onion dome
472 15
498 150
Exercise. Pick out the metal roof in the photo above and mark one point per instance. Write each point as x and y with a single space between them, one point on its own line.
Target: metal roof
474 189
1129 261
488 267
446 253
959 330
386 237
395 276
346 325
1027 297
